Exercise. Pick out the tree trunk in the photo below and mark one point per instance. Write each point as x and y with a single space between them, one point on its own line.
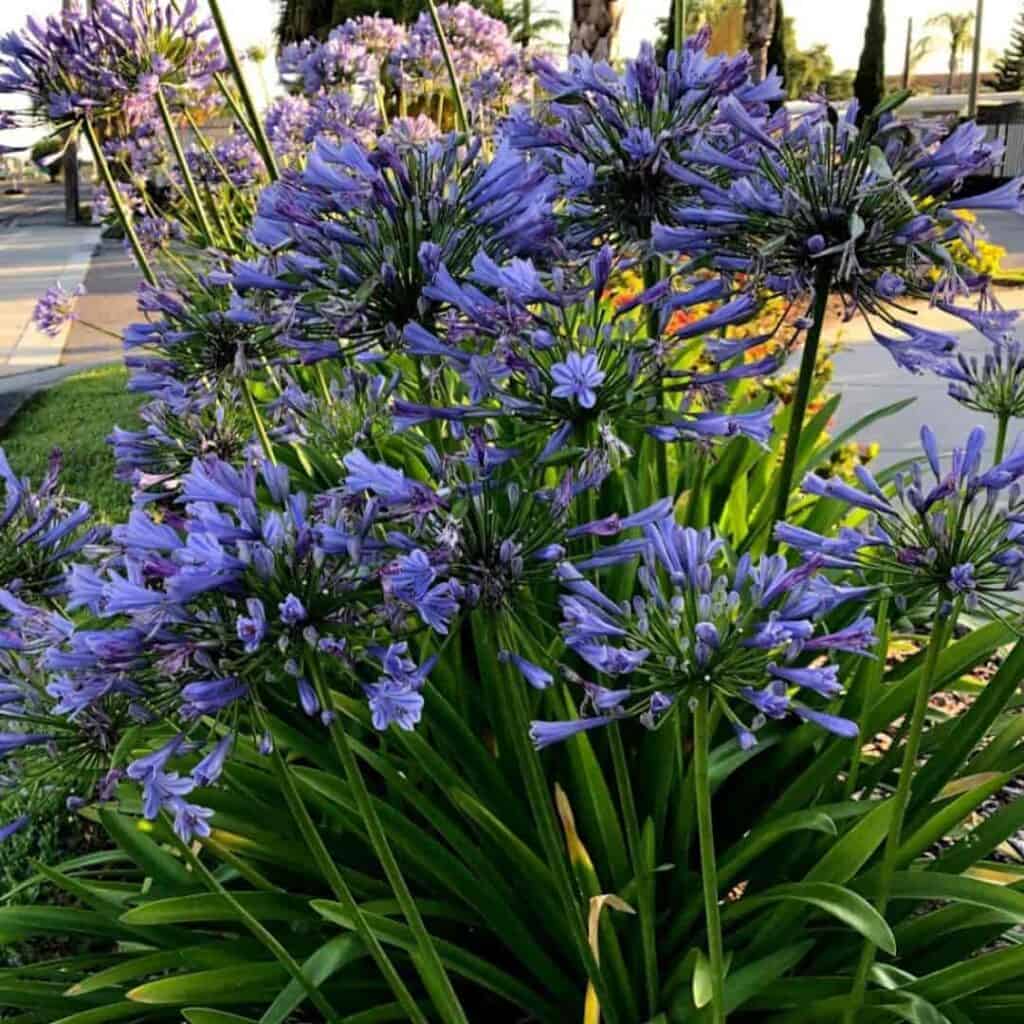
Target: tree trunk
758 24
595 24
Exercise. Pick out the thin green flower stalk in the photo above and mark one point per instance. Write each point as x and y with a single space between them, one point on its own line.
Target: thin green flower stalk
936 641
708 866
801 398
255 124
259 932
123 215
460 108
191 189
428 963
341 891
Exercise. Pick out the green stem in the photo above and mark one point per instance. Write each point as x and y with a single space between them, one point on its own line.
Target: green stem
460 108
205 146
255 124
708 869
340 888
179 155
259 932
901 799
123 214
1004 422
644 885
652 274
798 407
261 427
679 25
693 503
428 963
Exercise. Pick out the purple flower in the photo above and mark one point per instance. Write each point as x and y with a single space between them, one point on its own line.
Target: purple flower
292 611
252 628
55 308
544 734
577 378
537 677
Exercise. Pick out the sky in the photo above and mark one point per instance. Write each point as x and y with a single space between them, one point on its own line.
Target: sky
839 24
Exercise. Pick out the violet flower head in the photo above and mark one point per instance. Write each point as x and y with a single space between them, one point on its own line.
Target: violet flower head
56 308
619 145
992 384
358 235
867 212
749 635
939 532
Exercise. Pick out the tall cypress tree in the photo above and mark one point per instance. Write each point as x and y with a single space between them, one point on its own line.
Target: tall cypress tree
1010 67
869 85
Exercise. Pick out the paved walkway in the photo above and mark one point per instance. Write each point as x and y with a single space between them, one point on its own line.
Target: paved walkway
36 250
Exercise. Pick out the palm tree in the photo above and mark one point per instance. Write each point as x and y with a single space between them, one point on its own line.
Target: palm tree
595 24
758 24
961 34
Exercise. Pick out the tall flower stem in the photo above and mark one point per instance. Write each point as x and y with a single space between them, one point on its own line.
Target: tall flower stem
679 24
644 880
652 274
428 962
340 888
258 931
255 124
123 214
901 799
1004 423
446 53
708 866
179 155
798 407
257 418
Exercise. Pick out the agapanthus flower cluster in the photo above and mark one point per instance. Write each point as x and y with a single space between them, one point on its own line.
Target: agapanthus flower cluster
56 308
293 122
748 636
956 536
108 61
868 213
240 599
195 338
354 239
492 70
41 531
353 54
58 741
621 147
553 364
232 161
179 428
992 384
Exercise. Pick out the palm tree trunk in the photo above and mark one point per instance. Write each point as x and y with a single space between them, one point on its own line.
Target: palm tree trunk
952 70
758 23
595 24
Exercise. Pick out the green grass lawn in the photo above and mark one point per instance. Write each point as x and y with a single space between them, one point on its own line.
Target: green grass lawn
76 416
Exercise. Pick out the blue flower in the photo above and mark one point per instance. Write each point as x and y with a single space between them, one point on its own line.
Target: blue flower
577 378
292 611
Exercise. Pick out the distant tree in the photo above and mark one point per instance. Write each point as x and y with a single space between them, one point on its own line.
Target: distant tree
810 71
758 25
869 83
594 27
1010 66
778 48
919 49
961 34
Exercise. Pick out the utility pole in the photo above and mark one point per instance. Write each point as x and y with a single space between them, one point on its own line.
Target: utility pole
72 202
972 95
906 53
